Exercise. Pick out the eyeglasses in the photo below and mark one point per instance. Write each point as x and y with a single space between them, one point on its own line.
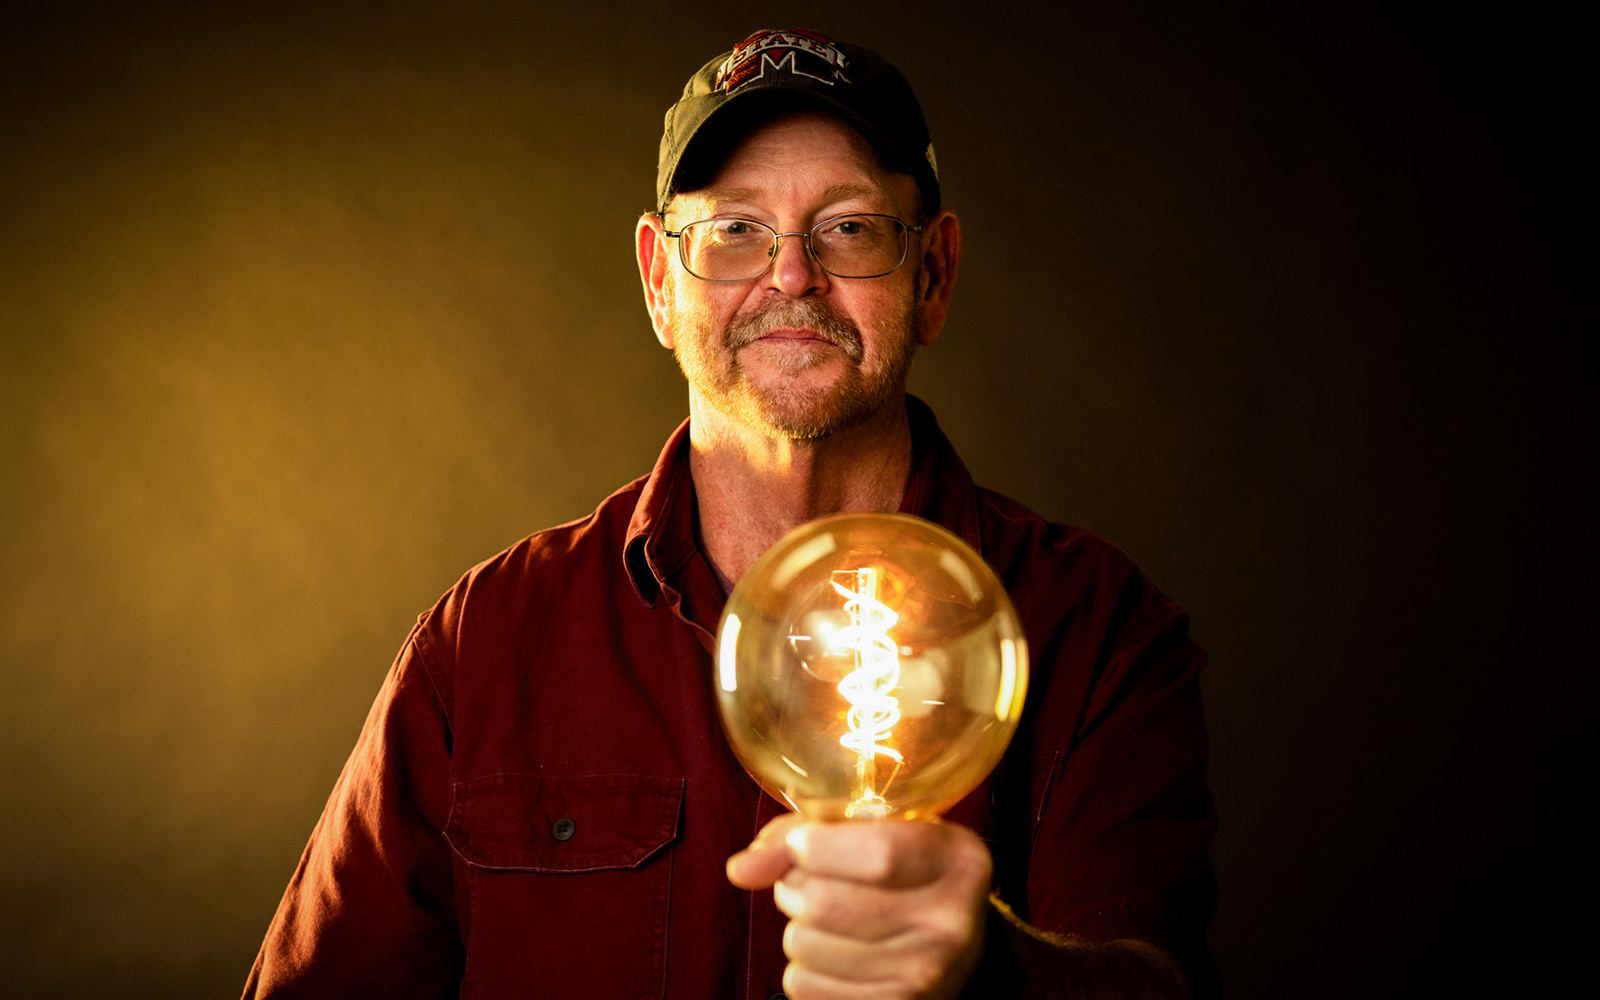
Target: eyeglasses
846 246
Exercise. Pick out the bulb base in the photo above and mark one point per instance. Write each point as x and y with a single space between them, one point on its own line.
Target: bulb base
869 806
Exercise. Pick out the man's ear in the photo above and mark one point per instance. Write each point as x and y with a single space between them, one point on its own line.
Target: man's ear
651 245
941 258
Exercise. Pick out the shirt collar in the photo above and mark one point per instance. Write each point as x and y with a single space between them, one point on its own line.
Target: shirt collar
662 540
939 488
661 534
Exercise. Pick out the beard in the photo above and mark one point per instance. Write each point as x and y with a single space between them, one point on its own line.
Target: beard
789 404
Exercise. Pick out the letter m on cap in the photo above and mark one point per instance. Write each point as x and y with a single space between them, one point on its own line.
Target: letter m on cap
801 53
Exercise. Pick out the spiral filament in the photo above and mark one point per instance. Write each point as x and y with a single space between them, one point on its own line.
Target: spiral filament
873 708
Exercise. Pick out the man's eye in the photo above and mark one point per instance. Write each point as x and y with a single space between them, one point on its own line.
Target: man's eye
854 226
734 227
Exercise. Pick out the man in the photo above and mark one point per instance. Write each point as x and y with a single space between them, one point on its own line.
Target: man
541 802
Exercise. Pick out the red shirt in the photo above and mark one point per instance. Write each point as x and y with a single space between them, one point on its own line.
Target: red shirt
541 801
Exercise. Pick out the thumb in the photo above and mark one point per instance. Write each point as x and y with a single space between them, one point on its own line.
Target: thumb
767 858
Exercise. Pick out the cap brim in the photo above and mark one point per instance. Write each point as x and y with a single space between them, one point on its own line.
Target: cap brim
740 113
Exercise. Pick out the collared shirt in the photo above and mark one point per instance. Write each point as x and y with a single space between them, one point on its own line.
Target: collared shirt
541 801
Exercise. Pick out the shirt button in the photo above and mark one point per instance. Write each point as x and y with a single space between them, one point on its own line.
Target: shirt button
563 828
779 996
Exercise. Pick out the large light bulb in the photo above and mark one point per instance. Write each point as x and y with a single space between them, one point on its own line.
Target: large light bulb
870 665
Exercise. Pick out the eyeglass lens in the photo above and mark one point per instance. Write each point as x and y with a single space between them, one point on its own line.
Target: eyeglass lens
851 246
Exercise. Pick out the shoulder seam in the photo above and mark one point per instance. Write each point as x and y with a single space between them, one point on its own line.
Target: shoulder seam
417 640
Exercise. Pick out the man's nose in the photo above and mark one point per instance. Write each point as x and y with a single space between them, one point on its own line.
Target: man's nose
795 270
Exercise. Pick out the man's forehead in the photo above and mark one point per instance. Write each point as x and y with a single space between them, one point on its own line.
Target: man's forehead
833 192
715 198
895 195
813 151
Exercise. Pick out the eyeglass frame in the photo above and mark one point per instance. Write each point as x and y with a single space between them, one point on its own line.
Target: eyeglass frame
772 256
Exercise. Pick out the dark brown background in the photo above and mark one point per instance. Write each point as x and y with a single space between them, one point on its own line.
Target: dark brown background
306 308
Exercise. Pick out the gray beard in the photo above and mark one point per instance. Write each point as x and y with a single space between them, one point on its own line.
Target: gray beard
785 411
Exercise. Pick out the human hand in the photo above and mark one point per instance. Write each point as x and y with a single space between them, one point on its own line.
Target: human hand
880 909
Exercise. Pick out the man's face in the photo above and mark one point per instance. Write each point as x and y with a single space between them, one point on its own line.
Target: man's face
797 352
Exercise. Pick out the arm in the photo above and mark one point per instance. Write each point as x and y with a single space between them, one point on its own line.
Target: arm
1031 964
370 909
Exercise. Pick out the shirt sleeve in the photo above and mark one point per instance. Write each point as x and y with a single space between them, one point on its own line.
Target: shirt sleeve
370 910
1123 838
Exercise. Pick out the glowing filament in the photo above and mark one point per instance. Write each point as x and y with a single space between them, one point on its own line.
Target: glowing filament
873 708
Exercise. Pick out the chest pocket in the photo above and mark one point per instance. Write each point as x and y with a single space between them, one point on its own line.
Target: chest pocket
569 881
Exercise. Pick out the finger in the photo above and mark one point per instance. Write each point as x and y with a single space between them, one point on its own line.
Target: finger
938 912
766 859
914 961
889 853
801 983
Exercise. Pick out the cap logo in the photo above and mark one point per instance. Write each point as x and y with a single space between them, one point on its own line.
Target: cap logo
802 53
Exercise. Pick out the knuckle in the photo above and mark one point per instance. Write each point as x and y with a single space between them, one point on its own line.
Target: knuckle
878 857
944 931
981 863
921 973
970 860
823 906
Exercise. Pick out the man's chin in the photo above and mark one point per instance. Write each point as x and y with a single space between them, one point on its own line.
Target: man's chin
802 414
790 358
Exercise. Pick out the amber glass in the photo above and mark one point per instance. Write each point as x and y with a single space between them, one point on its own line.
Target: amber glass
870 665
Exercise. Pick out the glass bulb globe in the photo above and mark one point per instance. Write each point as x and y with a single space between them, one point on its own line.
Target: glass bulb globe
870 665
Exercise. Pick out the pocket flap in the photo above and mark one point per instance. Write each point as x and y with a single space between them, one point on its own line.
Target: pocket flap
529 822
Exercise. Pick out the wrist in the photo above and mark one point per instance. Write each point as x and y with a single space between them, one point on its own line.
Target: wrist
999 971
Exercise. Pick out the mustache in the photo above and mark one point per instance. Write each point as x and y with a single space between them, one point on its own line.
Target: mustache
808 314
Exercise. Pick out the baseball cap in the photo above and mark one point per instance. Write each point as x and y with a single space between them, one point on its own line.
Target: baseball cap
775 71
